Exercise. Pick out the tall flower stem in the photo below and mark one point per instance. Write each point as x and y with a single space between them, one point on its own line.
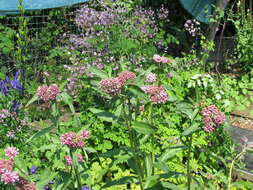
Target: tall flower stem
189 177
128 120
238 156
152 137
76 172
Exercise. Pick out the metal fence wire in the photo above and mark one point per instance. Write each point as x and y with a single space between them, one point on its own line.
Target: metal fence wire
44 30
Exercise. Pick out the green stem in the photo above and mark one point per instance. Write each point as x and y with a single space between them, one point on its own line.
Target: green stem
232 166
128 119
136 158
152 139
189 177
76 172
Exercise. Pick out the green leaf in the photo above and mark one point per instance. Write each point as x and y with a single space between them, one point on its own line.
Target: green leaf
185 108
22 170
138 92
194 127
169 185
34 98
171 152
45 178
106 116
98 72
143 128
40 133
67 99
121 181
148 165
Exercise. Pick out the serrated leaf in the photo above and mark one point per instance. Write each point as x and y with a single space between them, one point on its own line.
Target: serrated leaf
143 128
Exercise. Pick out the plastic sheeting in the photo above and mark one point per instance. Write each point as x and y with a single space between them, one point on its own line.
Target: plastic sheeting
11 6
200 9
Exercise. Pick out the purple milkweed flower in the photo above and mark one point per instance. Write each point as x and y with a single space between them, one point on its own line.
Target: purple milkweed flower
33 169
86 188
4 86
15 105
15 83
47 187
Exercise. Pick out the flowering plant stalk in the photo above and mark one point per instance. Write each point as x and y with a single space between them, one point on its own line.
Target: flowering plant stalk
133 97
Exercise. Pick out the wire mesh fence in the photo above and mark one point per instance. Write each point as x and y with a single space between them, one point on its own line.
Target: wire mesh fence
45 28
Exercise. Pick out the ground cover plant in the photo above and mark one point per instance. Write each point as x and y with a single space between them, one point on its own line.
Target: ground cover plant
115 108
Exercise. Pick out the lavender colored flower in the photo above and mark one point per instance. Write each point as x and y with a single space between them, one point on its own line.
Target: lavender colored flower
15 105
86 188
15 83
4 86
47 187
33 169
193 27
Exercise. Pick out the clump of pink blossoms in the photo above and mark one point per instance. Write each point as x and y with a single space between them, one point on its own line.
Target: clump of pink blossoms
9 177
85 134
157 94
212 118
11 152
113 86
151 77
161 59
68 160
47 93
126 75
6 165
72 140
80 158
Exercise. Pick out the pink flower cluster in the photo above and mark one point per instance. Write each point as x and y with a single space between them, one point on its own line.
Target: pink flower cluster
69 160
4 113
126 75
113 86
25 185
8 176
151 77
11 152
6 165
212 118
161 59
74 140
47 93
158 95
